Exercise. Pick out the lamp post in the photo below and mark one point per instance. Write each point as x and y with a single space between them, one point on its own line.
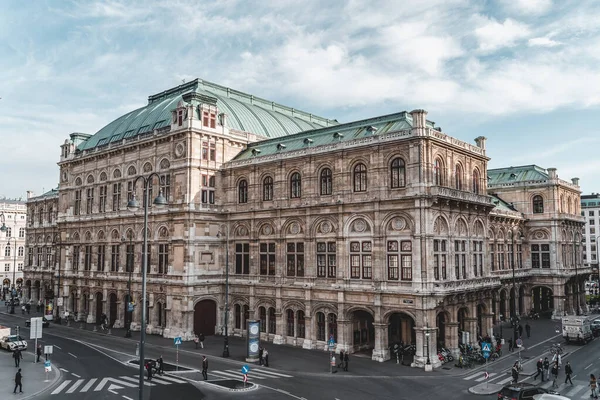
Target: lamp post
129 266
226 340
428 362
133 205
575 246
58 297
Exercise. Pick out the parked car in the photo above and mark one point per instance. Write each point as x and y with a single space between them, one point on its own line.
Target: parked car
13 342
522 391
45 323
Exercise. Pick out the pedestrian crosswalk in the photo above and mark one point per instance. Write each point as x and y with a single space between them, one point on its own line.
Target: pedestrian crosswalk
254 374
111 383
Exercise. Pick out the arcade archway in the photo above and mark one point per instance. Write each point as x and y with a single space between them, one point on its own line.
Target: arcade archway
542 299
401 329
363 331
205 317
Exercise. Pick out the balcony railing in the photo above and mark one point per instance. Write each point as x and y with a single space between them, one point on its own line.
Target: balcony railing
460 195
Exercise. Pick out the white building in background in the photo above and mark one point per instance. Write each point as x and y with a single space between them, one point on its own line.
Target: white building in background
13 216
590 210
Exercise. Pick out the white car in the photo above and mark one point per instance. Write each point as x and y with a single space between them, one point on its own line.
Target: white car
13 342
548 396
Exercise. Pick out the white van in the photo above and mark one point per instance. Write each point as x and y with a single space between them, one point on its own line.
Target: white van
577 328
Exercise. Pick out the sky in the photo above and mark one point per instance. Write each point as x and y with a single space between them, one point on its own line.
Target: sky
523 73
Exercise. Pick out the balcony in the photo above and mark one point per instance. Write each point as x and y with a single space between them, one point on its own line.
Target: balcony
465 285
459 195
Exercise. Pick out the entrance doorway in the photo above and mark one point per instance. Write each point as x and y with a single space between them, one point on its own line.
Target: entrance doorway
99 299
401 329
543 299
205 317
112 309
363 331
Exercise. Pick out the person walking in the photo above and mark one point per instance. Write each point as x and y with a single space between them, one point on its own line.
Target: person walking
18 382
528 330
196 340
204 367
568 373
341 364
510 345
520 330
539 367
38 353
260 356
149 369
546 374
201 338
266 357
346 361
593 386
18 356
161 365
515 372
555 374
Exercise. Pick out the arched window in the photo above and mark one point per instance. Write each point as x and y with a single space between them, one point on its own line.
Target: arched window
458 177
569 205
290 323
360 178
21 251
243 191
326 182
268 189
398 173
7 251
238 316
438 173
475 179
262 312
332 326
320 326
538 204
272 321
295 186
301 324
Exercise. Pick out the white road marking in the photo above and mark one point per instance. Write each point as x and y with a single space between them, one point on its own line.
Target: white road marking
72 355
61 387
491 374
128 398
225 374
64 370
89 384
239 375
105 380
75 375
134 380
162 382
502 382
575 390
171 379
472 376
269 372
588 366
75 385
57 347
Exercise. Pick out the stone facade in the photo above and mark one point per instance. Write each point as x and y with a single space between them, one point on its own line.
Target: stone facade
13 216
372 232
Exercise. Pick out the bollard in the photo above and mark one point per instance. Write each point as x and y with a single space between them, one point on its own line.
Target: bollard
109 332
95 328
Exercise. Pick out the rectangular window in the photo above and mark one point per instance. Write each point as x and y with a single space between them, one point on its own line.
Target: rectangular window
519 256
399 260
89 204
212 152
204 196
295 259
148 258
242 258
102 204
361 260
492 257
116 196
87 258
75 258
101 254
477 252
591 213
501 256
545 250
267 258
439 259
535 256
460 259
165 186
163 258
6 267
205 150
20 267
326 259
48 257
129 254
114 257
211 197
77 206
130 190
30 256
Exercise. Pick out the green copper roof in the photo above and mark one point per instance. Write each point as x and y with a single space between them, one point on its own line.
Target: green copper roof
509 175
49 193
244 113
590 200
501 204
334 134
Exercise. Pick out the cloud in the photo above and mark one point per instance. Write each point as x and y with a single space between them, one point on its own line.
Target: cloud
543 42
535 7
492 35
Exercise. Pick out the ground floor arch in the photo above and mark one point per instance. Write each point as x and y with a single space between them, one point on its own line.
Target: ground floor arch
363 331
502 310
205 317
99 308
441 322
112 309
521 301
401 328
542 299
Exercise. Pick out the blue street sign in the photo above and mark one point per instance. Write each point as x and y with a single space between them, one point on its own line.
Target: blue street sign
130 306
486 354
486 347
245 369
177 340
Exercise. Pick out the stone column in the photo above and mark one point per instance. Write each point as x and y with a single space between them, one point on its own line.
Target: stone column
471 327
308 332
345 340
527 303
559 307
280 329
488 324
91 317
381 351
452 337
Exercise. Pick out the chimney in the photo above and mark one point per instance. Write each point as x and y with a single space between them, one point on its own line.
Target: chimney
480 142
552 173
418 117
29 194
575 181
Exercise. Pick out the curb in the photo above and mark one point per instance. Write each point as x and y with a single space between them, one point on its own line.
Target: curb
487 392
48 387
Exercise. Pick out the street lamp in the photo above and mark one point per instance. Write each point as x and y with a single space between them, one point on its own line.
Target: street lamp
513 308
575 246
226 342
57 297
133 205
129 266
427 342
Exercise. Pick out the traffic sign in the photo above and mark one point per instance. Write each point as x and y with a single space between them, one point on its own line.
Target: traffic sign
486 346
245 369
486 375
486 354
47 366
245 378
519 342
177 340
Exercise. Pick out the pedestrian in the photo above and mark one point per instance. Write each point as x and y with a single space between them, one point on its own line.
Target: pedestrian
103 322
161 367
204 367
17 355
39 305
528 330
510 345
196 340
260 355
28 307
515 372
346 361
201 338
266 356
341 364
23 309
539 367
546 375
555 374
520 330
568 373
149 369
38 353
18 384
593 386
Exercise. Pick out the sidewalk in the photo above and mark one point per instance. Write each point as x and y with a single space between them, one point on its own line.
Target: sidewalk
295 359
34 376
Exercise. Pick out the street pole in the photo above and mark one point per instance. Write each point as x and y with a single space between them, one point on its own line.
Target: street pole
513 310
128 314
576 275
226 339
133 205
59 298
